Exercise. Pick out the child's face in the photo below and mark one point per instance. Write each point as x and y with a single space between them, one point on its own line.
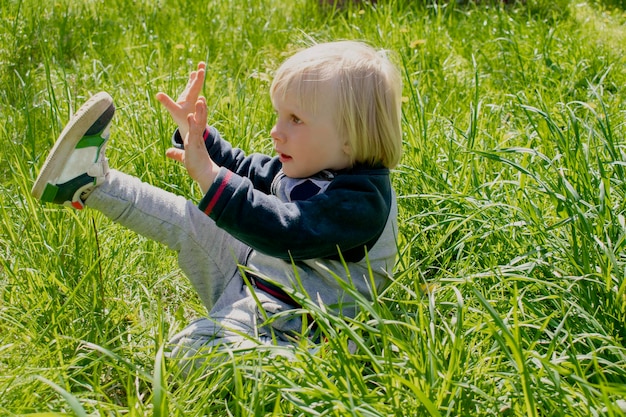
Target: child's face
307 142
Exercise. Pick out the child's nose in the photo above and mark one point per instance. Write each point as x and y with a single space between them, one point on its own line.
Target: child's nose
275 134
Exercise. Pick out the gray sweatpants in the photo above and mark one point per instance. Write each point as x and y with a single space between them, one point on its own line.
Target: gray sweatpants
208 256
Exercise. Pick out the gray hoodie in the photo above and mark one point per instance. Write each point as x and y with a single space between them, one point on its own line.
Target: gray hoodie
306 234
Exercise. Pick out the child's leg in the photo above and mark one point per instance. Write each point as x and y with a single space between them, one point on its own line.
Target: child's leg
206 254
237 322
77 167
191 345
209 257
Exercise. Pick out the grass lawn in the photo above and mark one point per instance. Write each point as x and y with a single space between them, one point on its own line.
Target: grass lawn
509 296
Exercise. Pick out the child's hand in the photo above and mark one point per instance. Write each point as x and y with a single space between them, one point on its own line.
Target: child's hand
186 101
195 156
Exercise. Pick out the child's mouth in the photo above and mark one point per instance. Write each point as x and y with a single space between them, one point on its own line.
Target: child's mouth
284 158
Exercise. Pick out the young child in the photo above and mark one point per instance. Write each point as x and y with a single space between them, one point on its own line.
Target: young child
320 212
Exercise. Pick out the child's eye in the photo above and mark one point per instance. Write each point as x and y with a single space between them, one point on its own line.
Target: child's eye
295 119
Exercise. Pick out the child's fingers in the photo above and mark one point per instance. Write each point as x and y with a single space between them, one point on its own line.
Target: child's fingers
185 93
175 154
167 102
196 86
194 138
193 127
201 111
197 121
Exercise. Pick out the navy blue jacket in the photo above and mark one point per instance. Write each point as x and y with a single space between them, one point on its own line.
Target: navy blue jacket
305 233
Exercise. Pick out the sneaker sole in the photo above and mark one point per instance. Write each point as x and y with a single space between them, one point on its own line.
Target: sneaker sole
82 123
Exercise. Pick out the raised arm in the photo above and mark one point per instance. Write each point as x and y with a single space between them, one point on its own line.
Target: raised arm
185 105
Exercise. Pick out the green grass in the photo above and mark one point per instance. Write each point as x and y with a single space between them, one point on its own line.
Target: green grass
509 298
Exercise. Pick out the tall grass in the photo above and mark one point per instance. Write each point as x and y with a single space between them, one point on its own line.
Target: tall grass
509 295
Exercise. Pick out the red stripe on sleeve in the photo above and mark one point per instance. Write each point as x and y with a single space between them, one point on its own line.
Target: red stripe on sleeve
218 193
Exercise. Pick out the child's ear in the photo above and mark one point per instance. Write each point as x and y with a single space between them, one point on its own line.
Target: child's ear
347 149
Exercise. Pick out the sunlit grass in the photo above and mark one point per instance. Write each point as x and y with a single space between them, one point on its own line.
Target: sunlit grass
509 296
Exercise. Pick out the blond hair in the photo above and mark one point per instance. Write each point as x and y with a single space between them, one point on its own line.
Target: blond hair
361 84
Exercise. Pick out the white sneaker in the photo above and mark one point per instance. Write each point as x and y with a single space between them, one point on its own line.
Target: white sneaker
77 164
